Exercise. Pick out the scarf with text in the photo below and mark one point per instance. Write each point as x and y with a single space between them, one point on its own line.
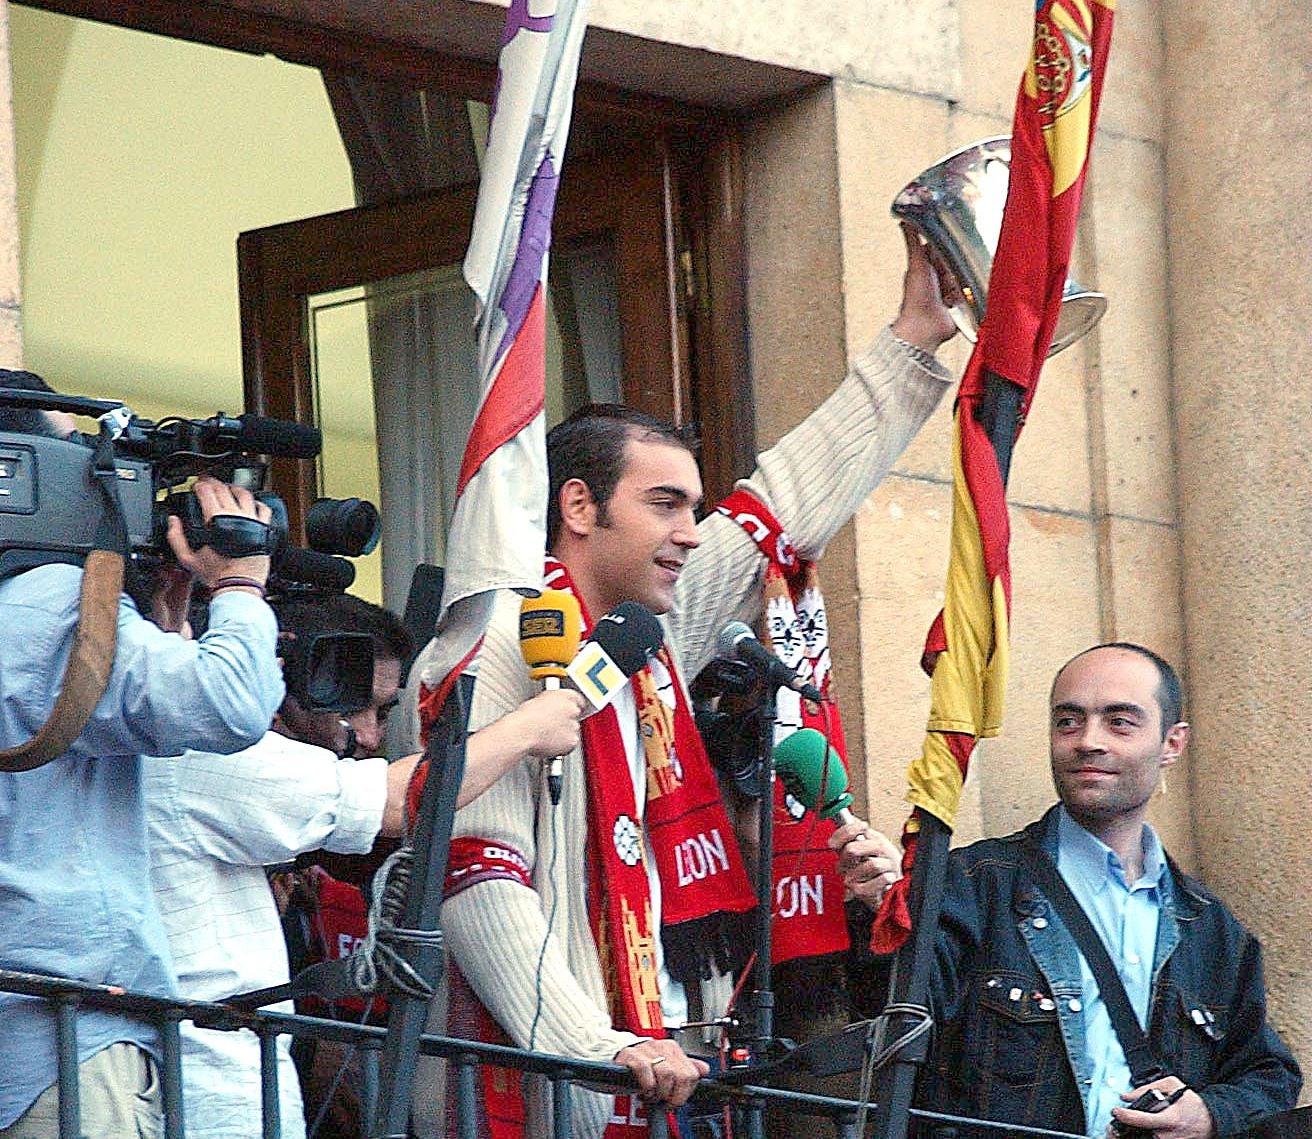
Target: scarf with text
706 897
809 918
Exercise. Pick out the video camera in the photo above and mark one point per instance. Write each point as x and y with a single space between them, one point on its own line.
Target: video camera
61 498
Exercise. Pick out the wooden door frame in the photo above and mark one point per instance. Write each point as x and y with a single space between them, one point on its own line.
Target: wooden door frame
703 271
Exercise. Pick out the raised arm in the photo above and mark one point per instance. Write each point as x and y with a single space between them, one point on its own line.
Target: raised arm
820 472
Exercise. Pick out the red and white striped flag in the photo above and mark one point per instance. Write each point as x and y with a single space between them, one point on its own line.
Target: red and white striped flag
498 533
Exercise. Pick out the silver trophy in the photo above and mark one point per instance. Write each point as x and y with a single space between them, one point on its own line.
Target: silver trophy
956 206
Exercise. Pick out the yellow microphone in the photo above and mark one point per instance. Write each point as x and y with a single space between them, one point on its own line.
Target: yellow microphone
550 626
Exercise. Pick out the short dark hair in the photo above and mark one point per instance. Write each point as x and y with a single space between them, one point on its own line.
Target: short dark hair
345 613
25 420
590 446
1170 693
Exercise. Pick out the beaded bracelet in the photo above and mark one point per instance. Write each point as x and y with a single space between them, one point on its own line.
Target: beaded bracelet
237 583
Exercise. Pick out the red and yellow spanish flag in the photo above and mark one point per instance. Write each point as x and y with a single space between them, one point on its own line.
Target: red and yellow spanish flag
966 651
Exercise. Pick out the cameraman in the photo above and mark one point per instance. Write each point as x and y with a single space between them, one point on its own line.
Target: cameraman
216 822
74 868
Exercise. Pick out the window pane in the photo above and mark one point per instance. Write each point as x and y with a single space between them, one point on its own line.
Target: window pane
395 391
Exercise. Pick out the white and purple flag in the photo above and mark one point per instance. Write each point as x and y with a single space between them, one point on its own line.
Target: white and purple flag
498 533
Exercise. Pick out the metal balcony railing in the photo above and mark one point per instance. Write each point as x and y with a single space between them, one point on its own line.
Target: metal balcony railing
464 1058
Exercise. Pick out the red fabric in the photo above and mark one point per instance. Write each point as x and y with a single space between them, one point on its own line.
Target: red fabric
516 396
501 1112
893 923
1052 127
472 860
697 858
808 917
340 924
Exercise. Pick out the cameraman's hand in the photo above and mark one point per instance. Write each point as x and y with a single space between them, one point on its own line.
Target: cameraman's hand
929 289
1187 1118
217 498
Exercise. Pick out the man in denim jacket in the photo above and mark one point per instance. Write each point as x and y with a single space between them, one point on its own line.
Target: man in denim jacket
1022 1034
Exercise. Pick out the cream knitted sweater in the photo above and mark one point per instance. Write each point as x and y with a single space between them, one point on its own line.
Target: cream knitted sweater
813 480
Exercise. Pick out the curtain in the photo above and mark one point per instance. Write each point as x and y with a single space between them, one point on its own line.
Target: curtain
402 143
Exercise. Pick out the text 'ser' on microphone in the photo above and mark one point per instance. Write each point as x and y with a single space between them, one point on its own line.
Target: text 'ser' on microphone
549 629
737 641
813 774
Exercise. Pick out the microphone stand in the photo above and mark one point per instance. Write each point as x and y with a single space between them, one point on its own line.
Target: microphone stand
763 995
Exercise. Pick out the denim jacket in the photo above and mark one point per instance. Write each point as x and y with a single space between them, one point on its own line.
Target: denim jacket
1009 1043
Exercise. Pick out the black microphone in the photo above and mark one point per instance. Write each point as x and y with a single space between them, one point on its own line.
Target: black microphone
278 437
737 640
309 567
620 644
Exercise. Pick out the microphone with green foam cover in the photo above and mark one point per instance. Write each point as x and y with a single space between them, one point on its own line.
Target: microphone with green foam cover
799 760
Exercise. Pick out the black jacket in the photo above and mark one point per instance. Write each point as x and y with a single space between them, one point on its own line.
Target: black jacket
1009 1047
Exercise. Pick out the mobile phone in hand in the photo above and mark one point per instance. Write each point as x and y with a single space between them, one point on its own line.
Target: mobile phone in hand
1151 1100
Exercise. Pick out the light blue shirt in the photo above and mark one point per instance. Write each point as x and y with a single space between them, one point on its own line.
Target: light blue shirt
1125 914
75 897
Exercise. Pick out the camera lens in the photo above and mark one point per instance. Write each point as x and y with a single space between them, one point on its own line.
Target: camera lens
348 526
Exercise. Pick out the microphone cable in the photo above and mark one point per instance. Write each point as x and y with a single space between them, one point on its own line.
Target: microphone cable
551 923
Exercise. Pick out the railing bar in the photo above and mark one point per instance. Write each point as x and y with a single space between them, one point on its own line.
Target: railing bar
370 1059
170 1078
755 1120
270 1100
658 1123
466 1075
562 1108
70 1105
68 996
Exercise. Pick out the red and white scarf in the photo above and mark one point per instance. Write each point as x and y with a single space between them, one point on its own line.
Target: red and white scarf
706 897
809 918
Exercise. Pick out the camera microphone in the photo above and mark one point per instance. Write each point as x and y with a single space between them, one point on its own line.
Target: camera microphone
309 567
280 437
736 640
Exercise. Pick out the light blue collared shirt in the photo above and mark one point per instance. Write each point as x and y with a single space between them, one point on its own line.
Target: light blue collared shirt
1126 915
75 897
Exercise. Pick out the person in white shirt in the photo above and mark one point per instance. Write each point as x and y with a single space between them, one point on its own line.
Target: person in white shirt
216 822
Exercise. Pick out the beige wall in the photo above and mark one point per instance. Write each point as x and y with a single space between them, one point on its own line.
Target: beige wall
1238 170
1159 493
908 44
1095 539
11 330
